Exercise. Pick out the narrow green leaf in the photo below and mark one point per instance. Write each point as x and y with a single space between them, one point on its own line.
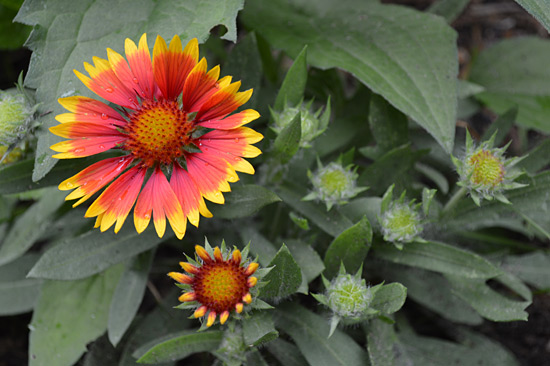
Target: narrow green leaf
487 302
373 42
532 268
78 31
285 278
350 248
294 84
28 227
434 175
68 315
332 222
309 332
389 298
128 295
259 329
287 143
537 158
473 350
17 293
286 353
439 257
260 246
179 345
540 9
501 126
389 126
244 201
92 253
381 341
255 358
514 71
307 258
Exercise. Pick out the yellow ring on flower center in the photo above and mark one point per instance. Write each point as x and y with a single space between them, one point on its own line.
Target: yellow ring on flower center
487 169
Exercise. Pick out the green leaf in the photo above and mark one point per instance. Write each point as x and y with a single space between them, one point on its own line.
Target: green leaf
389 126
332 222
17 293
255 358
260 246
244 64
68 315
93 252
474 349
243 201
179 345
78 31
487 302
286 353
501 126
381 340
434 175
533 268
287 143
12 35
540 9
259 329
514 71
307 258
432 291
128 295
350 248
537 158
389 298
309 332
28 227
448 9
406 56
439 257
285 278
294 84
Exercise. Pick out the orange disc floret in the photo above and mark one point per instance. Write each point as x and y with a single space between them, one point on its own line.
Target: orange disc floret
218 284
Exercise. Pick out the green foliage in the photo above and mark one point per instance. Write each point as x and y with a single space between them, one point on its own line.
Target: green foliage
365 86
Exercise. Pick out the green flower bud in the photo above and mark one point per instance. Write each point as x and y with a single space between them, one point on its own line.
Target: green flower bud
313 124
334 184
15 115
485 172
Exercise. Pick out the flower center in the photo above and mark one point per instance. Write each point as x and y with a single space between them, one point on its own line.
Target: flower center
334 182
220 285
158 132
487 169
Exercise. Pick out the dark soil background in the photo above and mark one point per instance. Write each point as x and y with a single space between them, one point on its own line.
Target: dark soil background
482 23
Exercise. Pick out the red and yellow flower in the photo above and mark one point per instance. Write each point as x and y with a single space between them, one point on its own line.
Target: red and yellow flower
174 124
215 286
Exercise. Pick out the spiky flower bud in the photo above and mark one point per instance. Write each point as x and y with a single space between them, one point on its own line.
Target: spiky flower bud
348 297
400 220
334 184
485 172
15 116
313 124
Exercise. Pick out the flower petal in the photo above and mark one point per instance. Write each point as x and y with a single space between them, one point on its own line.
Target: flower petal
94 177
198 84
157 196
188 195
232 121
211 176
223 102
117 200
88 110
141 65
76 130
171 65
70 149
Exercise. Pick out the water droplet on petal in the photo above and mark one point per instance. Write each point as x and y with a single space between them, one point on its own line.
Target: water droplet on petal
104 116
236 139
102 147
136 80
79 150
146 216
109 90
69 185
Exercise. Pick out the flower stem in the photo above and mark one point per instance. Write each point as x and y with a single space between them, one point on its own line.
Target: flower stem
454 200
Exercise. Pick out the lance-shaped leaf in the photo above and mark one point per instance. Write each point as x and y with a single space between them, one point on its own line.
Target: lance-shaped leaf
244 201
285 278
294 84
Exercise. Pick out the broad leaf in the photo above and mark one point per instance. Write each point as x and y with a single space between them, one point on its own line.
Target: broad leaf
93 252
389 298
406 56
259 329
438 257
350 248
68 33
179 345
243 201
515 71
68 315
381 342
285 278
286 353
309 332
287 142
128 295
17 293
532 268
448 9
